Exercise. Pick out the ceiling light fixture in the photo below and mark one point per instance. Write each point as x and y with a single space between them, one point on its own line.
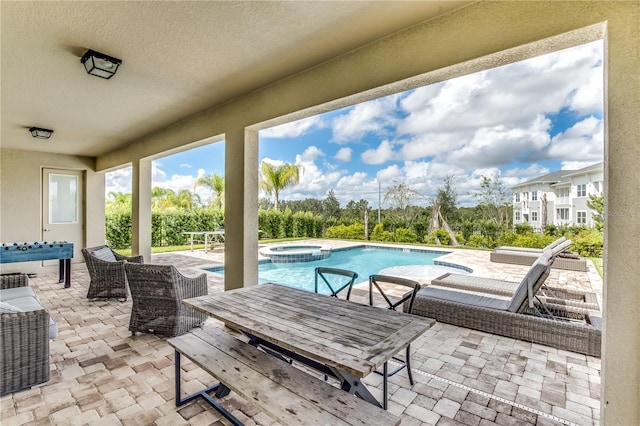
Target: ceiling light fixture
99 64
40 133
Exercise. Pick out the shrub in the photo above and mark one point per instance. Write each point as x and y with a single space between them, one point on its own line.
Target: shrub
438 235
589 242
525 240
404 235
287 223
118 230
523 228
270 223
379 234
351 232
507 238
480 241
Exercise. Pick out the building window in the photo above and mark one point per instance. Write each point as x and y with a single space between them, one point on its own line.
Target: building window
517 216
534 216
562 196
517 197
526 195
562 215
534 196
582 190
581 217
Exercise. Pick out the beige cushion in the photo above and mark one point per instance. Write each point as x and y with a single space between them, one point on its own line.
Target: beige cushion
105 254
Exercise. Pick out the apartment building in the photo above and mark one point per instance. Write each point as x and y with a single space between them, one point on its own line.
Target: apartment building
558 198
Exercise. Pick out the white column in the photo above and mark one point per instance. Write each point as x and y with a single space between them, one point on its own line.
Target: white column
141 209
241 208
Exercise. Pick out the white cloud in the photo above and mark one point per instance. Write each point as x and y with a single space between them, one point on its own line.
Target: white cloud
118 181
380 155
311 153
355 180
492 114
372 117
344 154
273 161
313 180
389 175
294 129
501 145
584 141
186 166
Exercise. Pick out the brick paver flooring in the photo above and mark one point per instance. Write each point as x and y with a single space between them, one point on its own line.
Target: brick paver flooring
101 375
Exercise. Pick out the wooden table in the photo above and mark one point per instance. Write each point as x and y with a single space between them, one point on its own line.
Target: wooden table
338 337
214 234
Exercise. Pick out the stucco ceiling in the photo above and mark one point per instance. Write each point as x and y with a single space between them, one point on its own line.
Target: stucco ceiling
178 59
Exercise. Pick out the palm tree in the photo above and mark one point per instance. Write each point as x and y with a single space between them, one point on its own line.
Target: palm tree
276 178
118 201
164 199
183 199
215 183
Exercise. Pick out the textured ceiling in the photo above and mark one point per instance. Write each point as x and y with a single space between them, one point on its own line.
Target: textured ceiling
178 59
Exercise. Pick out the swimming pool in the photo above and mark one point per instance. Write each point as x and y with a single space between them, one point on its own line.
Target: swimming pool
365 260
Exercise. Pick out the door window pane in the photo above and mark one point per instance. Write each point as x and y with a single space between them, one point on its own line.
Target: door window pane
63 199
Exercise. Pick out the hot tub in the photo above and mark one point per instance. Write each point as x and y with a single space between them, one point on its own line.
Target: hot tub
292 253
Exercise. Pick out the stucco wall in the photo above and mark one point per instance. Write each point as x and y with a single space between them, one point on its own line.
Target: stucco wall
21 199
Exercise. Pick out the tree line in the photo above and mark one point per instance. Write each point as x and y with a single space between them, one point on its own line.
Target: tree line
404 217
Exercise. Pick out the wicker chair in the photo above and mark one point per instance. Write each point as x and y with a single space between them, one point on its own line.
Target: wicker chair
24 339
106 269
157 292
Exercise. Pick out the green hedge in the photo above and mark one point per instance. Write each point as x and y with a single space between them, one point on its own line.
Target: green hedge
276 224
166 228
344 232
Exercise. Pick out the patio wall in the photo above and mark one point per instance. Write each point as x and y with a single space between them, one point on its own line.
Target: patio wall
21 200
483 35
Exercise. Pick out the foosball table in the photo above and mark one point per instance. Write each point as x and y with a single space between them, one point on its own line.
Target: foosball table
29 252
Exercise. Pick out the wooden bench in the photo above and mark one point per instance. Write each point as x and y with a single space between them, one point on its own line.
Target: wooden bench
287 394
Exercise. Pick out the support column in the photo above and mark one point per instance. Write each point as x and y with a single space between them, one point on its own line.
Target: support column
241 209
141 209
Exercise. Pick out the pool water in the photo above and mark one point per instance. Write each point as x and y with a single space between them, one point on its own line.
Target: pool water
364 260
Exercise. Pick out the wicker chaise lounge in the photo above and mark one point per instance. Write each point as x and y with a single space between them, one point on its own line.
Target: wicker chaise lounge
106 269
547 294
539 251
157 292
526 257
520 316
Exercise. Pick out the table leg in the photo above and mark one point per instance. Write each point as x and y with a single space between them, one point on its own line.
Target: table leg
67 273
61 271
353 385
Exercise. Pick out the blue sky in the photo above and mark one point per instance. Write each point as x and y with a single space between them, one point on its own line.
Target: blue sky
519 121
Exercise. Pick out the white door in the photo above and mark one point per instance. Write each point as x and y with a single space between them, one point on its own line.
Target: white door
62 209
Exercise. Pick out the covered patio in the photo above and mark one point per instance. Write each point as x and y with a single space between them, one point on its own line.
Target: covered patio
102 375
196 73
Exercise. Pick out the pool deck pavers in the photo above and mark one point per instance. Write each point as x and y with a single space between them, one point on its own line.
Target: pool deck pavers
101 375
